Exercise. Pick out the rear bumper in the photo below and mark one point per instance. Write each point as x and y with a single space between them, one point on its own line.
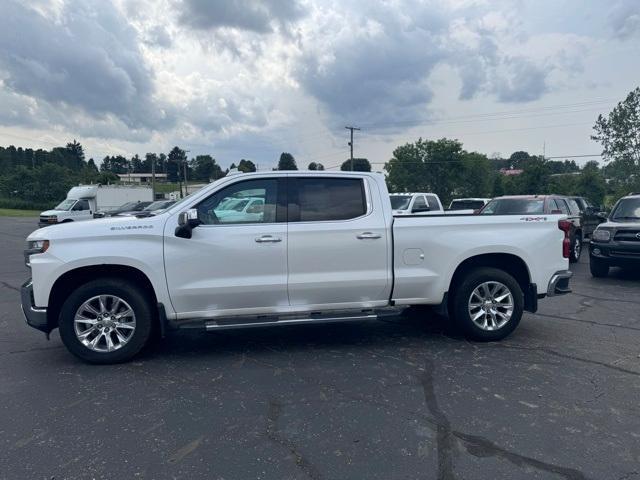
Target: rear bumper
559 283
35 317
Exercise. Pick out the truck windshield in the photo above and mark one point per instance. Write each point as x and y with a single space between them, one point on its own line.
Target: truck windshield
66 204
628 209
513 206
400 202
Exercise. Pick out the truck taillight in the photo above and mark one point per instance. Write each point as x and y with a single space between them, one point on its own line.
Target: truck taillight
565 226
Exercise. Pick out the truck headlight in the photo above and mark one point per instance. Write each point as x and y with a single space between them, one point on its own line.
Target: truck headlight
601 235
37 246
33 248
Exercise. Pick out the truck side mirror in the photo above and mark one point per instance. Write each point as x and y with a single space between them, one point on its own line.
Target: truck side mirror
187 221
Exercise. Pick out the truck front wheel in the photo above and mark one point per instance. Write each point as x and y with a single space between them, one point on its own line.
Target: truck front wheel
107 320
487 304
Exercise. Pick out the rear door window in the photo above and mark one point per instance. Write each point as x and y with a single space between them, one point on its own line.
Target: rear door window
433 203
562 206
318 199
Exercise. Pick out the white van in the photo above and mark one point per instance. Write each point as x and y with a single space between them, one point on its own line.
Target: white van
84 200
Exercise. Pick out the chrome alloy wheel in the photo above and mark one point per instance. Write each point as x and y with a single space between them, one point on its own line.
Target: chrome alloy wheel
104 323
491 305
577 248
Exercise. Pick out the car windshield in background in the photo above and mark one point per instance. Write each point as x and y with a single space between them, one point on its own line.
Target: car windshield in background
514 206
65 204
466 205
628 209
400 202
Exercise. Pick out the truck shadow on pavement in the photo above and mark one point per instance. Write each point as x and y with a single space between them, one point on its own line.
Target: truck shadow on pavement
411 325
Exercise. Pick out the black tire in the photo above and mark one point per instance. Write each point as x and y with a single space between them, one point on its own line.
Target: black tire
127 291
599 269
576 248
462 295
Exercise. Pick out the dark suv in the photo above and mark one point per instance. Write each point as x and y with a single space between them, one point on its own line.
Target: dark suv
616 243
592 216
542 204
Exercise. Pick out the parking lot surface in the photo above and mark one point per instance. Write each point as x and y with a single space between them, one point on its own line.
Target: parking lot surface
402 398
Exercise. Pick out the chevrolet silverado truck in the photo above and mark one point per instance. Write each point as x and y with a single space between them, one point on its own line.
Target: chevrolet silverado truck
320 247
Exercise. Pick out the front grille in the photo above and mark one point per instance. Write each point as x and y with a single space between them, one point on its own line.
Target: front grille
627 236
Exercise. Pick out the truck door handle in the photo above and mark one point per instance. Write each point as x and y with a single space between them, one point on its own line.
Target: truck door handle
368 235
268 239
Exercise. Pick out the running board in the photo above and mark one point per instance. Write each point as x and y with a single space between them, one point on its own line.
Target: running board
271 321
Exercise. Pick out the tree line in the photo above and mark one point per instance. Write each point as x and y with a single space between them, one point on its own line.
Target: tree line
35 178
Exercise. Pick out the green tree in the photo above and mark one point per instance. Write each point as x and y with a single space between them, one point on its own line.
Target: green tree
287 162
137 165
175 159
116 164
246 166
206 169
426 166
619 132
91 166
534 179
591 183
315 166
359 165
475 176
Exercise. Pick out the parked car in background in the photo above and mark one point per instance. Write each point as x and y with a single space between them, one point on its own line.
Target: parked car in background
325 248
152 209
543 205
616 243
84 201
124 209
592 216
467 205
413 203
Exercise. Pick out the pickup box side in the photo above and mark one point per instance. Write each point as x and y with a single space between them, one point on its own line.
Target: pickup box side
428 250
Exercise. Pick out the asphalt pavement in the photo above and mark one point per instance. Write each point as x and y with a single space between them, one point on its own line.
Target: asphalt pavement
402 398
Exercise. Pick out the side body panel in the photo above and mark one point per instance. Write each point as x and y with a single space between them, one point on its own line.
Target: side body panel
344 263
427 250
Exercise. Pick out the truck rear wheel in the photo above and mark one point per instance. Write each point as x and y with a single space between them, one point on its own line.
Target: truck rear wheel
107 320
487 304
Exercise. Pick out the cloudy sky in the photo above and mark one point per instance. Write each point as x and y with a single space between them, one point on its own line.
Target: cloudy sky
250 79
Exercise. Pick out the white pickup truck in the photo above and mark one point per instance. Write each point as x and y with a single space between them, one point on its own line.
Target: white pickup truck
323 247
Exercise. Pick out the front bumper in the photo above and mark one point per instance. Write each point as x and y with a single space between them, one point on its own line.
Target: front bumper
616 253
35 317
559 283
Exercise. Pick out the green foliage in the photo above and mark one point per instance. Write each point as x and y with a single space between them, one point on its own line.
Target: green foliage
315 166
206 169
439 166
359 165
287 162
591 184
246 166
619 132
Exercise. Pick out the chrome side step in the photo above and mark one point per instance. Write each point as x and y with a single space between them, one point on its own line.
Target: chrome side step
271 321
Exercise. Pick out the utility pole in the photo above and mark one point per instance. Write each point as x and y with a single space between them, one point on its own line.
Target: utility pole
351 129
186 190
153 178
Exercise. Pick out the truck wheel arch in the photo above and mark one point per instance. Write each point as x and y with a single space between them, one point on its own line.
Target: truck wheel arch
512 264
70 280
